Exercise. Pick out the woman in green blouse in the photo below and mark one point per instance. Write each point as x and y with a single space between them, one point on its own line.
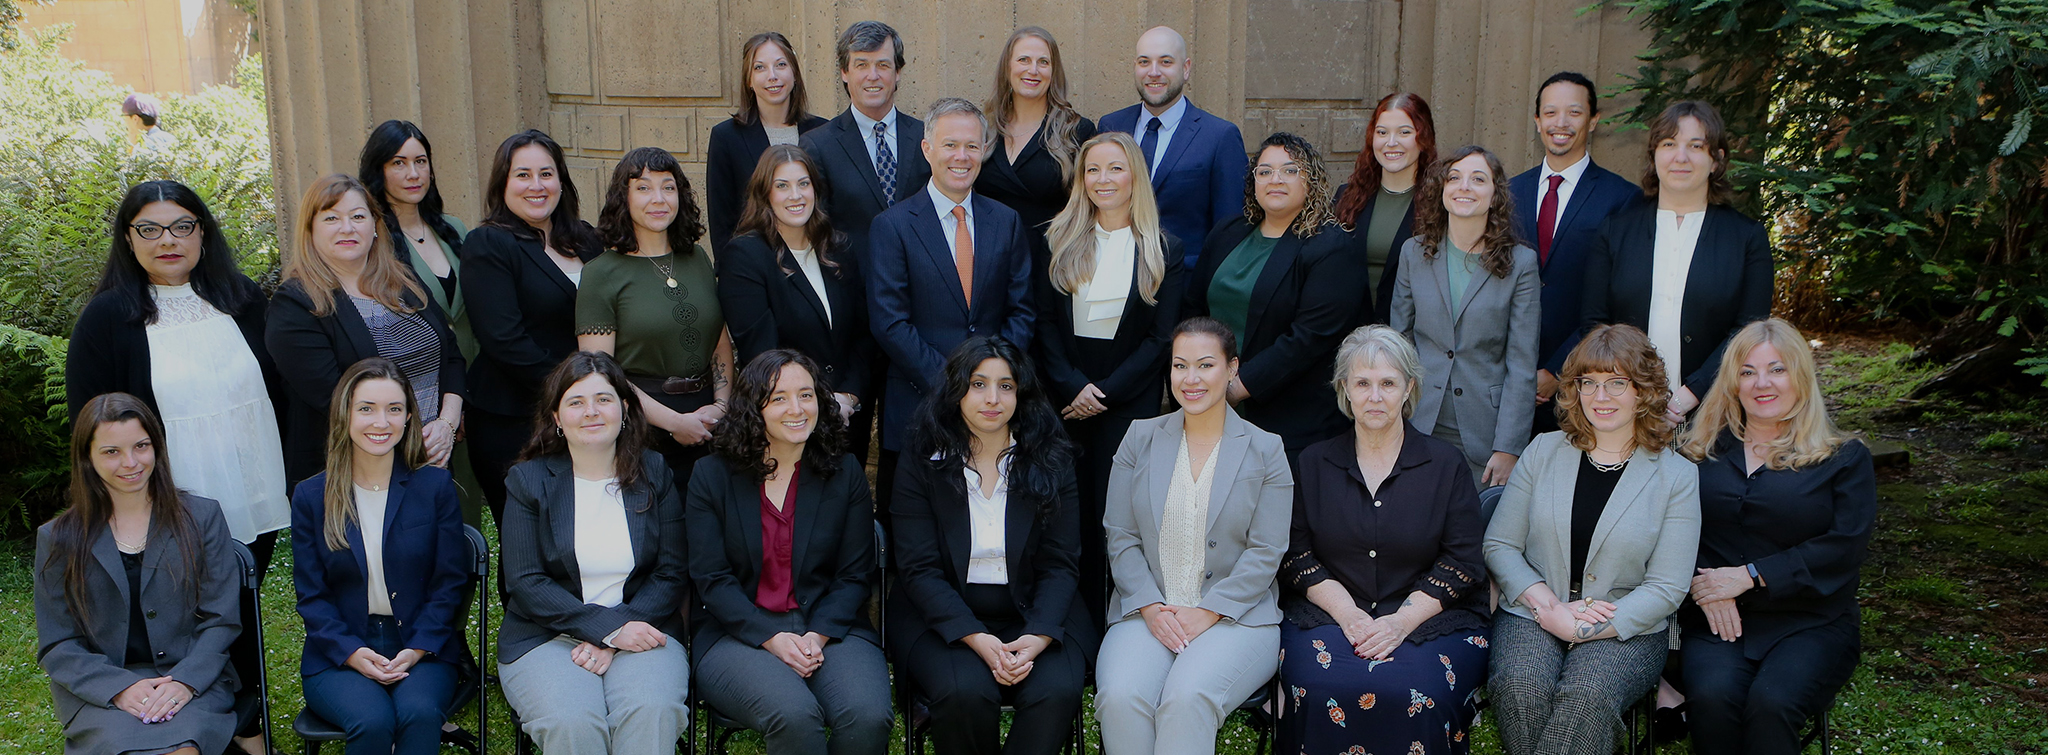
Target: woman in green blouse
652 303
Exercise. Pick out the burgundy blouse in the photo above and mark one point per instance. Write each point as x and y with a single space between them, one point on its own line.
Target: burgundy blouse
778 531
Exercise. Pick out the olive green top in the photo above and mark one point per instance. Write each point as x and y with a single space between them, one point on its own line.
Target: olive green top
1380 244
1230 292
662 332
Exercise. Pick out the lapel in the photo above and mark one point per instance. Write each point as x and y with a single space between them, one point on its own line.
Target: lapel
643 524
1626 491
1186 133
1582 195
1478 281
855 145
1018 521
153 557
352 326
986 254
1439 275
1133 325
909 141
1700 275
754 139
425 275
810 496
1236 443
1557 509
109 556
1165 453
925 219
394 499
743 504
1277 267
537 253
955 525
559 500
795 279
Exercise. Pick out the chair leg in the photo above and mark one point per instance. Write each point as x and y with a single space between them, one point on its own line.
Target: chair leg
312 746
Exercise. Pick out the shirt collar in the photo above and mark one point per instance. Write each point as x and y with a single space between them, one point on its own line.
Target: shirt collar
945 204
1571 172
867 125
1107 235
1168 120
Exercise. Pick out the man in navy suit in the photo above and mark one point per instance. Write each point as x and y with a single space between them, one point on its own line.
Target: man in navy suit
943 265
1197 159
1559 206
869 154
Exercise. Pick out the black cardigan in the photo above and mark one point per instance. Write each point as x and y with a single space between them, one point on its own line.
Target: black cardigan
314 351
1144 337
522 310
728 165
110 352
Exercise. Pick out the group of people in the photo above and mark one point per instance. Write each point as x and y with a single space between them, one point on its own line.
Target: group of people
1281 406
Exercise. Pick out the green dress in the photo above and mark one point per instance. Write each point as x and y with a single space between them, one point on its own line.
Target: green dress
661 331
1230 292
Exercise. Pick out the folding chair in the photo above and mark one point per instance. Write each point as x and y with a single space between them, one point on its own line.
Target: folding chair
246 654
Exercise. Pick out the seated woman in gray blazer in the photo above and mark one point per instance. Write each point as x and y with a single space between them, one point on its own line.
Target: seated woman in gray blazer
135 597
1195 630
1469 295
595 572
1592 548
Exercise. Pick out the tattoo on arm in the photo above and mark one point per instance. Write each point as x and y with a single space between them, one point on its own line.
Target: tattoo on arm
1586 631
1406 602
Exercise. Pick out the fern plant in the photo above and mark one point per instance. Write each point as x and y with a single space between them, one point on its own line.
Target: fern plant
34 439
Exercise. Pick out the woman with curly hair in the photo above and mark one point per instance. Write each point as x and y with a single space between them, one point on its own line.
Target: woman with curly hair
1281 278
778 603
652 303
1468 295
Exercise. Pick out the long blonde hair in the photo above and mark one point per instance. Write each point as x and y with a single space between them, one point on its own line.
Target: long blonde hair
1060 115
1072 232
1810 435
340 492
383 278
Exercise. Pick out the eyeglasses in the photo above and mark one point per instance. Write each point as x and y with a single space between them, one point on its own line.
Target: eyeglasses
1613 386
1265 172
152 231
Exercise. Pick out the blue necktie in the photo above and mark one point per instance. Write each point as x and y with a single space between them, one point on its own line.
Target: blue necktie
1150 146
885 165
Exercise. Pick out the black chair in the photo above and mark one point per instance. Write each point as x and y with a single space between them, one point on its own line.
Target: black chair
1819 732
252 703
314 730
1489 499
1260 719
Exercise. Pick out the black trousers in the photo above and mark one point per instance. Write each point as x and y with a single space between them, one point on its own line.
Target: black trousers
1097 439
966 702
1759 707
495 440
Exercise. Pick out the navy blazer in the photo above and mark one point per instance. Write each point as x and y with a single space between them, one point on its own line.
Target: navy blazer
1200 180
916 307
769 304
851 191
426 565
1600 193
728 165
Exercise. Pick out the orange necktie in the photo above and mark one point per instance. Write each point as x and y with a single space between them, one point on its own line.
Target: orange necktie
963 253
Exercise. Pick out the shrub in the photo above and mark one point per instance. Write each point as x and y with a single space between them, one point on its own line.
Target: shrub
34 439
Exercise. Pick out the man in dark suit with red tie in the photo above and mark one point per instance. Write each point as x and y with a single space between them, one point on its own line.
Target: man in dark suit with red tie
1559 206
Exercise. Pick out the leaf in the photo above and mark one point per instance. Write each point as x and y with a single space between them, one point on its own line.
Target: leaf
2022 125
2011 324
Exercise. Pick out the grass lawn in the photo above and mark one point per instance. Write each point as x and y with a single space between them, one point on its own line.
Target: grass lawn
1955 645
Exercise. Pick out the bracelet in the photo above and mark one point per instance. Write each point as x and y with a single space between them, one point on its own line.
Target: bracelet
1755 579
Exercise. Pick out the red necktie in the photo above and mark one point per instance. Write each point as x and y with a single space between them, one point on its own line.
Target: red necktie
963 253
1546 221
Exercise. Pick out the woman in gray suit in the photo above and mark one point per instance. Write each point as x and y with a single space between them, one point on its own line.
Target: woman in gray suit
1196 615
135 597
1592 548
1468 294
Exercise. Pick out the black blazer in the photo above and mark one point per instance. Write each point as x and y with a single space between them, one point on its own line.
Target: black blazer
537 548
314 351
1728 286
522 310
1383 294
109 353
930 531
852 192
769 305
1144 337
1033 185
426 565
728 164
832 555
1305 302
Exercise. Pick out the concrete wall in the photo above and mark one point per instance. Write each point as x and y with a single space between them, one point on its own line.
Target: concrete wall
151 45
605 76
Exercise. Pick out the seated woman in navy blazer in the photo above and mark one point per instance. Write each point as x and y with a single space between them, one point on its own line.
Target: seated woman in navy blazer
595 573
382 603
122 679
987 530
782 549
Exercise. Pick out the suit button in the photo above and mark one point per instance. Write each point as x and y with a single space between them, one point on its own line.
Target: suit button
1590 577
1372 554
1212 543
970 329
1373 606
149 614
1449 354
1457 391
159 653
1208 574
1375 504
828 369
1687 339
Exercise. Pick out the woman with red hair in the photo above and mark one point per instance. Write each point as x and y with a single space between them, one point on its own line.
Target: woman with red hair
1376 208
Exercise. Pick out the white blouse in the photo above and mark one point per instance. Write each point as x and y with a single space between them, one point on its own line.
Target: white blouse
1099 305
1672 264
370 518
807 263
216 412
1183 526
604 547
987 554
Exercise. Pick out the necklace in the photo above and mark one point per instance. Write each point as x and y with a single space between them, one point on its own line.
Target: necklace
131 547
1603 467
668 274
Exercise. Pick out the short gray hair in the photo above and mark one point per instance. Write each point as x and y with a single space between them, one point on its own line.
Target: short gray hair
945 106
1374 342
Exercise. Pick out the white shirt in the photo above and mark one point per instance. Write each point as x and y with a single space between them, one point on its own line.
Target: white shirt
216 412
807 264
1099 305
1571 174
1672 264
1184 525
575 278
370 519
604 547
987 552
867 136
1169 122
945 205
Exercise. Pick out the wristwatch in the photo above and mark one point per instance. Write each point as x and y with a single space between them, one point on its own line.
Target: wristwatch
1755 580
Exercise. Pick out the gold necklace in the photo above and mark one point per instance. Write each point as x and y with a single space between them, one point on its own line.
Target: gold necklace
668 274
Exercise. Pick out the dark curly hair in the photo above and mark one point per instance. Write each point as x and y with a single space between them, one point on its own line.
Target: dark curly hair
547 437
1040 456
1432 222
615 221
1315 210
1625 351
742 439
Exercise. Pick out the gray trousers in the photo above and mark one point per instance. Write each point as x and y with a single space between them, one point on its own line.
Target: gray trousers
639 707
1150 700
849 694
1558 699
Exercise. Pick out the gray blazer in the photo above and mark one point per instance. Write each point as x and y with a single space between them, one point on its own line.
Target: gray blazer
84 660
1250 508
1642 551
1481 351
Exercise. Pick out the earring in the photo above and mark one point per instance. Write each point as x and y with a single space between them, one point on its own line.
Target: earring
558 430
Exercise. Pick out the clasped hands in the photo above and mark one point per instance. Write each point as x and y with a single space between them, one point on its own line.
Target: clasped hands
1373 639
1010 661
154 700
802 653
634 637
1716 590
382 670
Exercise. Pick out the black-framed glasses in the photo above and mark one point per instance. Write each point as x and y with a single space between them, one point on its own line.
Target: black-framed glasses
152 231
1612 386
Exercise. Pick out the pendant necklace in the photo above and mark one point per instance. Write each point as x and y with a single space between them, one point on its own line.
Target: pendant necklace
668 275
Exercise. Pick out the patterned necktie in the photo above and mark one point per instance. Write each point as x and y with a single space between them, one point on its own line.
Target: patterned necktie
1150 145
963 253
885 164
1546 221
